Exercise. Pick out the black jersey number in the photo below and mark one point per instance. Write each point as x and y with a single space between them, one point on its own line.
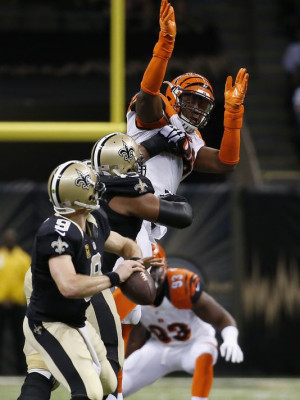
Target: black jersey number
182 332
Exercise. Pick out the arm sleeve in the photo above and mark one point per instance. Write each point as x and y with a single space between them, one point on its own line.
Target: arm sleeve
175 214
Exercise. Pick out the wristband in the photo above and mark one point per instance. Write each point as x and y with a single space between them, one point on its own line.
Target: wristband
114 278
230 333
135 258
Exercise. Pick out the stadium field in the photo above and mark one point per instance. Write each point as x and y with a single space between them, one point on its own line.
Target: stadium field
174 388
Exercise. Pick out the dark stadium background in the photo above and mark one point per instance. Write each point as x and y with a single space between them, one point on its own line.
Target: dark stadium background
54 66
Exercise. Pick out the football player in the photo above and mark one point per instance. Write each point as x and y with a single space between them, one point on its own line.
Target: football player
128 200
181 334
66 273
178 115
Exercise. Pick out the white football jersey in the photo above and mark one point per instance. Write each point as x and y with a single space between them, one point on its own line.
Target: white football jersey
174 327
173 321
165 170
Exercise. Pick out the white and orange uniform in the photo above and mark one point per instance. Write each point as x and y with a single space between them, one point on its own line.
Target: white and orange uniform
165 170
178 336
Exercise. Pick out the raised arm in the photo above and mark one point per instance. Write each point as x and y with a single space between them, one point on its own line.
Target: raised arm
148 103
225 159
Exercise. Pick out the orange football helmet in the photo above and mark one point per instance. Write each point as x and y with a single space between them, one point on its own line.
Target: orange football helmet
191 95
158 274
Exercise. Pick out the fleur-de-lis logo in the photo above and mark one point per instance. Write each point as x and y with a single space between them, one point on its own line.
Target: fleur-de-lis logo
37 330
59 245
126 152
83 179
140 187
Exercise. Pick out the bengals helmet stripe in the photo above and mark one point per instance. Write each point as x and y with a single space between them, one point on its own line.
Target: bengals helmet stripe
192 116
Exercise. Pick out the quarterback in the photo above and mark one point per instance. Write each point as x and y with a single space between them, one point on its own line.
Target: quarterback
66 273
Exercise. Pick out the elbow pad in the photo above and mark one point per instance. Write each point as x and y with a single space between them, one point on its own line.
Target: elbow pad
175 214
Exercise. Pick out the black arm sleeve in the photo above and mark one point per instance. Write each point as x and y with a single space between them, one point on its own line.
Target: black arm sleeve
155 145
175 214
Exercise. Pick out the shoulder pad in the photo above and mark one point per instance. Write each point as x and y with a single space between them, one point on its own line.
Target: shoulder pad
58 235
127 185
184 287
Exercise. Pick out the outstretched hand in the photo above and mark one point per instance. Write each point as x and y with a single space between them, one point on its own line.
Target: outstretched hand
235 95
167 19
152 262
231 352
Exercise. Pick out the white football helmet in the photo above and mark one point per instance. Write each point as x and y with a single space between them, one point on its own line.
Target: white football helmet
72 186
116 154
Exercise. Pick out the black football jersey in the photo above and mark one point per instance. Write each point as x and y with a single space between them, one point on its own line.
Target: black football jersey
126 185
58 235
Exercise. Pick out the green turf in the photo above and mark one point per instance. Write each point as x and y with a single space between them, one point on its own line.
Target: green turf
174 388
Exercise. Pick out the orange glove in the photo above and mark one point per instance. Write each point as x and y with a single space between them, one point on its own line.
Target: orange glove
235 95
167 19
156 69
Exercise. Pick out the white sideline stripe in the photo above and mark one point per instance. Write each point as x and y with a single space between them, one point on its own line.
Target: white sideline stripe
11 380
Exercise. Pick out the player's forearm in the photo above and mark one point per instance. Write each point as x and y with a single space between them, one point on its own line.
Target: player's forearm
156 69
175 214
130 250
155 72
80 286
230 145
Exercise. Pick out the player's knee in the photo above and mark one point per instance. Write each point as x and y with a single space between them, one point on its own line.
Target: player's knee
35 361
108 378
94 391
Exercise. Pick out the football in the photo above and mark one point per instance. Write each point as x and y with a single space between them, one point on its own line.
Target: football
139 288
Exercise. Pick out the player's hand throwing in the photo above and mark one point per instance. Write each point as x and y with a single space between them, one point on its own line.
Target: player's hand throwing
235 95
167 19
127 268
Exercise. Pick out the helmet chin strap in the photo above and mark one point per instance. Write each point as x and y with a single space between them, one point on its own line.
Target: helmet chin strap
87 206
64 210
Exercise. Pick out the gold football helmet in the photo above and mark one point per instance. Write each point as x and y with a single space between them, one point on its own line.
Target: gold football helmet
72 186
116 154
191 95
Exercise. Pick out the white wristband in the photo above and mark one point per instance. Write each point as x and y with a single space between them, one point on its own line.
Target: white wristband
230 333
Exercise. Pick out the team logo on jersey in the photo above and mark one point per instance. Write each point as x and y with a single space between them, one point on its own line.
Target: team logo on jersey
87 251
141 186
83 179
38 329
59 246
126 152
